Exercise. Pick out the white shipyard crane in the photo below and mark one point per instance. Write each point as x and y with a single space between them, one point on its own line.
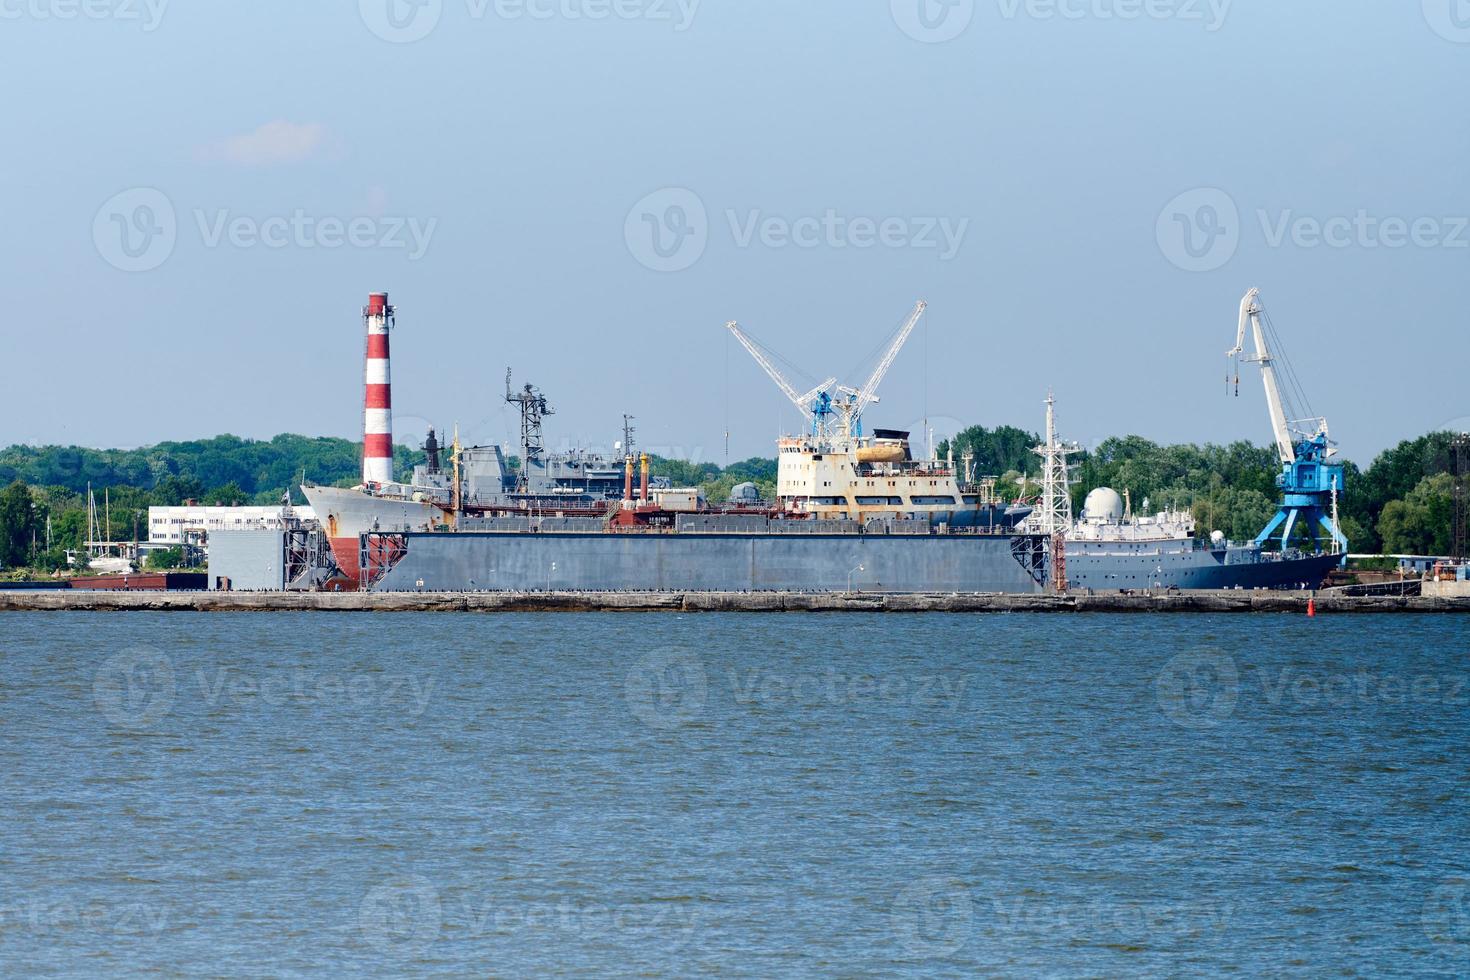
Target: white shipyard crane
858 401
814 403
1251 313
818 402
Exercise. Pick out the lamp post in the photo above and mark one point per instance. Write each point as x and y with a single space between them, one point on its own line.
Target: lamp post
850 574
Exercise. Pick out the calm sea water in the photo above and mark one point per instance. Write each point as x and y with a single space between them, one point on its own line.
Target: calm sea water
849 795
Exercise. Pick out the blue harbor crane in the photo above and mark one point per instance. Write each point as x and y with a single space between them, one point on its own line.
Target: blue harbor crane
1310 480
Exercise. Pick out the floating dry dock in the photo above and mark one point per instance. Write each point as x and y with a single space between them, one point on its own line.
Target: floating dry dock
692 602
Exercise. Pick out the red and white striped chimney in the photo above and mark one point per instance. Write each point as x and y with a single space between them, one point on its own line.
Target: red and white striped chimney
377 421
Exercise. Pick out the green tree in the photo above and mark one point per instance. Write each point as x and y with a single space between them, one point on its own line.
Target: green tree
226 495
1421 523
996 450
166 558
17 523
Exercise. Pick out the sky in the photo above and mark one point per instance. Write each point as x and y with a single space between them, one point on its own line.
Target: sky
199 197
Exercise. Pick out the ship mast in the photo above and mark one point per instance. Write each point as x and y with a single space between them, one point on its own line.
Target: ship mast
533 408
1053 514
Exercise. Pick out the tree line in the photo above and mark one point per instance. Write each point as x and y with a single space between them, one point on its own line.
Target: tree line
1402 503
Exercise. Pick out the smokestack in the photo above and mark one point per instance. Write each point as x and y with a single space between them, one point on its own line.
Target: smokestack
377 416
643 491
628 478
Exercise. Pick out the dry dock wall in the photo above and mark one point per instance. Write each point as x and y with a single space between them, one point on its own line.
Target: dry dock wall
694 562
693 602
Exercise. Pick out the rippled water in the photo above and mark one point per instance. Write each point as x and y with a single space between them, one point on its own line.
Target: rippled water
852 795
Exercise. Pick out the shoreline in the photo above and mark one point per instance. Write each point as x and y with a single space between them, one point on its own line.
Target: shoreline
694 602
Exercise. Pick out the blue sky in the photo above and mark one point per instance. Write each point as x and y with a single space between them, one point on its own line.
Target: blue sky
199 196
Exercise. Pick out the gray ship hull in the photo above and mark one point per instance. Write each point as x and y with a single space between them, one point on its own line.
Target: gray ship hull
1106 569
710 562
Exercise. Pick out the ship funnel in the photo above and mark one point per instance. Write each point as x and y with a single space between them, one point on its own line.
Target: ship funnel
377 420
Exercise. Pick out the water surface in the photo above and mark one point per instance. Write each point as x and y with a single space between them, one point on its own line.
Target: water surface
744 795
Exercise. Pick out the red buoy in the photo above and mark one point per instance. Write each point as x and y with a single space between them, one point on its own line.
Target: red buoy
1311 606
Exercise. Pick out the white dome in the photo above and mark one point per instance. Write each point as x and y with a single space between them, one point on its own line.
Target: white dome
1103 504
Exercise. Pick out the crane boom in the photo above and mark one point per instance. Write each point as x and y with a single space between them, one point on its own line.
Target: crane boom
803 402
1250 316
869 392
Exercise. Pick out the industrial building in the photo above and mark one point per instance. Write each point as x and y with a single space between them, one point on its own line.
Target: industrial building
193 524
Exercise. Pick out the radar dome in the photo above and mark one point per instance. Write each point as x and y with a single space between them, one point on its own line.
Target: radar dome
1217 538
1103 504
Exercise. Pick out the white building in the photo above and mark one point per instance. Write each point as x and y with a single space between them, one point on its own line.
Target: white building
175 525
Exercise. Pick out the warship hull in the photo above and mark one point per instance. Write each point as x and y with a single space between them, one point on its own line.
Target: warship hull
1107 568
